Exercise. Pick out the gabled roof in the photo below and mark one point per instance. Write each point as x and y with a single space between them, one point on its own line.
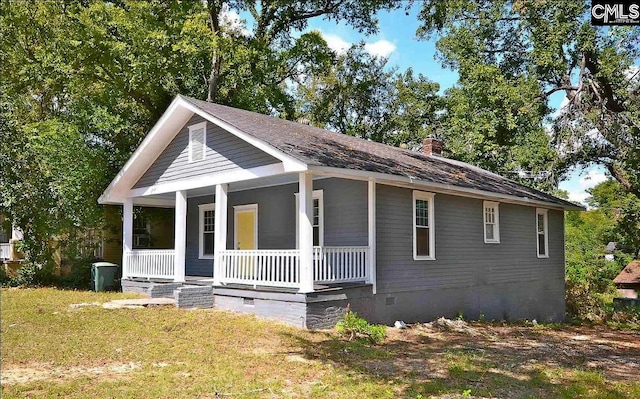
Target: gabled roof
322 148
630 274
302 147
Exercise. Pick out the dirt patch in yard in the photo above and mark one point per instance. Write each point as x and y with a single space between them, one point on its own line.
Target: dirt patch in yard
12 375
517 350
493 360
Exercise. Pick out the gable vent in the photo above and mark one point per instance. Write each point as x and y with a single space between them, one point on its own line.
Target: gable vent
197 142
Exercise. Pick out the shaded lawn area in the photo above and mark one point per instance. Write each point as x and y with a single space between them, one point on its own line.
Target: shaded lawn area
52 350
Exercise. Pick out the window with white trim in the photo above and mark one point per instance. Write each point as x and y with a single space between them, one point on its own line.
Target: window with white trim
141 231
423 226
318 218
197 141
542 233
491 215
206 231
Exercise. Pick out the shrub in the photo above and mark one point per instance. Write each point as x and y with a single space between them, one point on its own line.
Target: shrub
30 274
79 275
353 326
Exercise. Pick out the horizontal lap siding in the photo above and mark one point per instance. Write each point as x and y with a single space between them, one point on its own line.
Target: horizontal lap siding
276 217
224 153
194 266
464 263
345 211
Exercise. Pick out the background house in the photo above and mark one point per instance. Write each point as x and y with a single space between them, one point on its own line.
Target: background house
628 281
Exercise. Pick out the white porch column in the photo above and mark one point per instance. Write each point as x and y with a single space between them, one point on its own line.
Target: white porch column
180 236
127 236
219 231
372 234
305 231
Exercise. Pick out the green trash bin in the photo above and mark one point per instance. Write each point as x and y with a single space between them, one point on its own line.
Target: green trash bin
103 276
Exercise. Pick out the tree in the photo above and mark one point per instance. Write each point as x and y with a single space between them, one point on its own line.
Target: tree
251 69
522 52
623 210
414 110
352 98
361 97
83 81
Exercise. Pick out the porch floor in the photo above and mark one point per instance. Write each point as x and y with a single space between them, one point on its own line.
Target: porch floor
208 281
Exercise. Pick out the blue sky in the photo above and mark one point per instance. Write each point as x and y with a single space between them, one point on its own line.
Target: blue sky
396 39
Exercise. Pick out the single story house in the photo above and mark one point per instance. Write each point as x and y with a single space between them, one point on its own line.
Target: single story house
294 222
628 281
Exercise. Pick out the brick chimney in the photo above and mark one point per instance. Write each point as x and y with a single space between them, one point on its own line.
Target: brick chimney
432 146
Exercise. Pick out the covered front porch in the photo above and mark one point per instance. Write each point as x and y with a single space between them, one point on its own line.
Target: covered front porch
274 233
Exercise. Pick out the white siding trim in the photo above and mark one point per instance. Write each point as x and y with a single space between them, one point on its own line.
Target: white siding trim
210 180
180 236
495 206
127 235
544 213
429 197
202 208
319 195
371 224
245 208
220 231
305 231
192 129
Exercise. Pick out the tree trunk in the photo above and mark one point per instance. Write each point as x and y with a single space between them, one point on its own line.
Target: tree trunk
214 7
216 60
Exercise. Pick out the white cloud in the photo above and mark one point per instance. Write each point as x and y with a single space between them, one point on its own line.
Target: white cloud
382 48
336 43
233 22
592 179
578 196
581 180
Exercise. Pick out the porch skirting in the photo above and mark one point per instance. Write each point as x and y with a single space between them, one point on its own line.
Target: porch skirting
316 310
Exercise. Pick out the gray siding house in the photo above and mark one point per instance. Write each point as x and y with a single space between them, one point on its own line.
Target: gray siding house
296 223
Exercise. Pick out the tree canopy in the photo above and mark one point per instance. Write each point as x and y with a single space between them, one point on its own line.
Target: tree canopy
513 55
83 81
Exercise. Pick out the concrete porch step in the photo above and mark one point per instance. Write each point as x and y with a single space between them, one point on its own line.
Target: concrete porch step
138 303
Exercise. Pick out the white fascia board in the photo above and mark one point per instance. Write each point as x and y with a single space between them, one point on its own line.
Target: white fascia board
291 164
153 144
412 183
210 180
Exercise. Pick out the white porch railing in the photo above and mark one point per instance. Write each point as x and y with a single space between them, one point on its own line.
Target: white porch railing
281 268
266 267
5 250
340 264
151 263
271 267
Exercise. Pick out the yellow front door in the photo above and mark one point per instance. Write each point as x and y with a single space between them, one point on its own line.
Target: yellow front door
246 229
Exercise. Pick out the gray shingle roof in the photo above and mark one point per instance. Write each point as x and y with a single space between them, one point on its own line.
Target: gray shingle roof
315 146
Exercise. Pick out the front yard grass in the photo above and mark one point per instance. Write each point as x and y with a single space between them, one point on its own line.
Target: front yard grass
52 350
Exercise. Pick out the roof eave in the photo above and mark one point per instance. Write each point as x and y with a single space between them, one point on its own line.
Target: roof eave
410 182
